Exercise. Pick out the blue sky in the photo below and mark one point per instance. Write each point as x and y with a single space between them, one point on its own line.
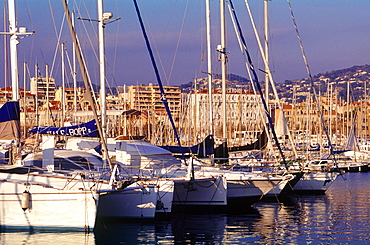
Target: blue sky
335 35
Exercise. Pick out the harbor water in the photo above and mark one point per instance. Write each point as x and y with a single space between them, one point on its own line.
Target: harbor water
341 216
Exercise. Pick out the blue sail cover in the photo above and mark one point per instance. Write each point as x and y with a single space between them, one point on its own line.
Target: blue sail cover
88 129
10 127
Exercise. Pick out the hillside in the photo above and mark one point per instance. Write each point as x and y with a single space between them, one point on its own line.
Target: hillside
355 76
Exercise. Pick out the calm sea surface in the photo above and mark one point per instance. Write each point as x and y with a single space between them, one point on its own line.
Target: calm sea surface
341 216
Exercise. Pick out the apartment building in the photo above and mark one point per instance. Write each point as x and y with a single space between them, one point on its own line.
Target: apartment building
71 96
44 89
148 98
243 112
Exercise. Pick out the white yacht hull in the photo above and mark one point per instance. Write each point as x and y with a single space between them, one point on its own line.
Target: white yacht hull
142 199
200 192
252 187
244 188
315 182
279 187
136 202
49 205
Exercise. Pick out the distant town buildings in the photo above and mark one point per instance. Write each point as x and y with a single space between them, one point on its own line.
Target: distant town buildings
343 100
26 98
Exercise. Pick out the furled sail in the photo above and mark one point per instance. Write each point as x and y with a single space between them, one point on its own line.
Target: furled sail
88 129
259 144
10 127
203 149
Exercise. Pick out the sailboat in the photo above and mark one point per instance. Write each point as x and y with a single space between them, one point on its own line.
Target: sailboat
145 178
126 196
40 200
190 191
352 159
317 175
41 197
316 180
243 187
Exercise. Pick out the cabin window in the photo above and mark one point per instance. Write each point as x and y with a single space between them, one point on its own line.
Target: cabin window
63 164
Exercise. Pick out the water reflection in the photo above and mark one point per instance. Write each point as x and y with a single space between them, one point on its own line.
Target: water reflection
200 228
340 216
46 238
133 233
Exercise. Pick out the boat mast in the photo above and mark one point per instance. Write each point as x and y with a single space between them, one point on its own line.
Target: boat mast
74 73
125 108
37 96
195 111
222 50
364 112
13 47
85 77
13 50
348 110
47 96
63 86
24 98
209 60
103 107
266 31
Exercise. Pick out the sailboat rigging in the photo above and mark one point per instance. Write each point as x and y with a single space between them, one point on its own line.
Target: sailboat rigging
85 78
256 82
163 94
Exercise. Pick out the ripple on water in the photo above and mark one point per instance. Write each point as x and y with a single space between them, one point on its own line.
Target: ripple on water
341 216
